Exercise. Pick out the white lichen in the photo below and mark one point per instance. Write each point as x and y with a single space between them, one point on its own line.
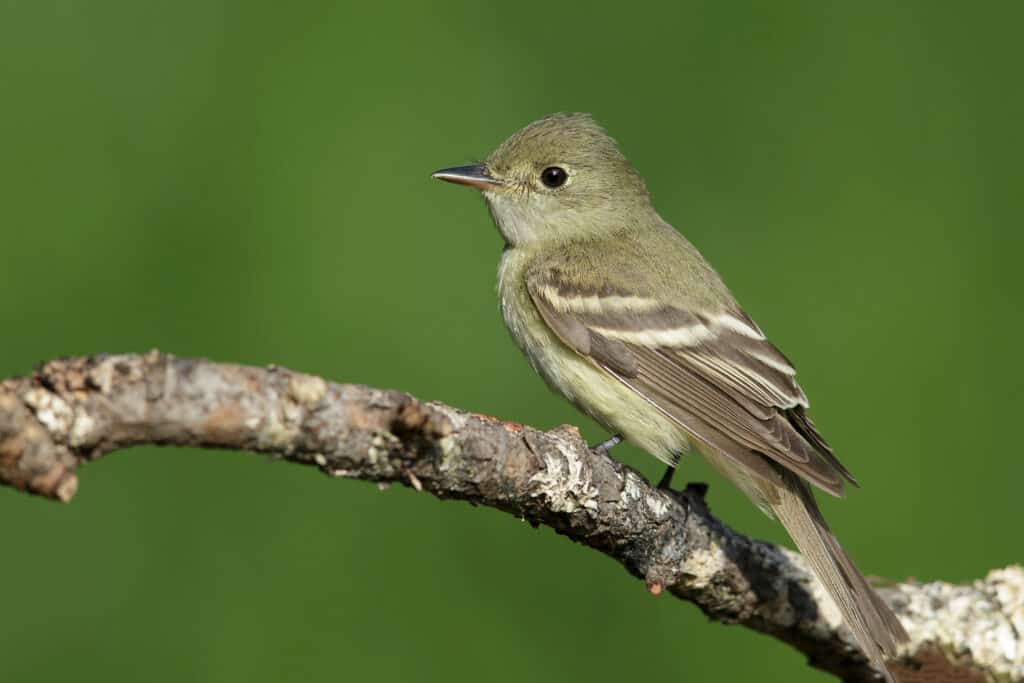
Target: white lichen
340 472
275 433
705 564
565 482
52 411
307 390
291 412
381 446
103 375
656 505
82 430
982 620
449 449
632 489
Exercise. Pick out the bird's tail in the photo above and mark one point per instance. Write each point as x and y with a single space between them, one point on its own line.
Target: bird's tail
875 628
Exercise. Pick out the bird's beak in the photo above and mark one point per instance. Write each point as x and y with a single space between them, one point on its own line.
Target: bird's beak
474 175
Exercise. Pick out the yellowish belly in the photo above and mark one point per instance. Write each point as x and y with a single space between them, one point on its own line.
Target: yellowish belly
592 390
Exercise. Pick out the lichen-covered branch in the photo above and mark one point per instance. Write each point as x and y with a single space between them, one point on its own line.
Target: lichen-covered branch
75 410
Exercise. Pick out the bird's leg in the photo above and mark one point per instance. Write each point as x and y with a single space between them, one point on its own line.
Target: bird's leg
665 483
694 488
608 444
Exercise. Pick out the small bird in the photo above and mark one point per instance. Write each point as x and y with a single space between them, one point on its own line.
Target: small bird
621 315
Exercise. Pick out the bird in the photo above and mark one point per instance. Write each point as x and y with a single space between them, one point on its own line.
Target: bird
622 315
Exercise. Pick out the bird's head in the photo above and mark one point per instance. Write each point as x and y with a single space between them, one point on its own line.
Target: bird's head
559 178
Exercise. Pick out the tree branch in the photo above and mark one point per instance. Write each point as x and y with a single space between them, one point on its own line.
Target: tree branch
75 410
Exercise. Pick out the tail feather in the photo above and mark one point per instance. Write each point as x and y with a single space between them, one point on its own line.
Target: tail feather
874 626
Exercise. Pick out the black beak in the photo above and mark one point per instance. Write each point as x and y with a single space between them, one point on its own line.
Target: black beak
474 175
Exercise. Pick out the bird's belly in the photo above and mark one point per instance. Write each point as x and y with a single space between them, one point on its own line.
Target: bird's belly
592 390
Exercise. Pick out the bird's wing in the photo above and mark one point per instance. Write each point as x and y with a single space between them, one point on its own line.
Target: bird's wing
714 374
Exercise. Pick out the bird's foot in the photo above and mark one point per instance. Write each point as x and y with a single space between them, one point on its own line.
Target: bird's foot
696 489
605 446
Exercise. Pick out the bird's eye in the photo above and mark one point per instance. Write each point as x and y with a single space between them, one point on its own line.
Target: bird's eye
553 176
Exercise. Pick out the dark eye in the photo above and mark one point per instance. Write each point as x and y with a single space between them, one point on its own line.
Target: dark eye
553 176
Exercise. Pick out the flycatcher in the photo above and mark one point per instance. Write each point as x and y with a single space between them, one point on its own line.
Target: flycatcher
620 314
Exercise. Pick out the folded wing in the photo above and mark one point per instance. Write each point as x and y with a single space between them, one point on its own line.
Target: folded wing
713 373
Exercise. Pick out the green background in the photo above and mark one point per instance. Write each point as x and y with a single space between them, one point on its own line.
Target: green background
249 181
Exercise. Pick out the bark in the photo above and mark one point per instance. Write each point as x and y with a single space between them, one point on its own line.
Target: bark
74 410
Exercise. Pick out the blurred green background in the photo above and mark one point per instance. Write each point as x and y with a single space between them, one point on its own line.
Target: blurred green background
249 181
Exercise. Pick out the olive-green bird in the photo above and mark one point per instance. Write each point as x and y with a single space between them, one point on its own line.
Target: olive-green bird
620 314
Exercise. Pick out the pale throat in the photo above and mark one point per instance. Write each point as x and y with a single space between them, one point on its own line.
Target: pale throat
521 218
529 218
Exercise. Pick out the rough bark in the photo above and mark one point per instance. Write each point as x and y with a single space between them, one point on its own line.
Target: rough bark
74 410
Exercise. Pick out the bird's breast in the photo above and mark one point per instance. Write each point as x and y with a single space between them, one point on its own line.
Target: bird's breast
585 385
